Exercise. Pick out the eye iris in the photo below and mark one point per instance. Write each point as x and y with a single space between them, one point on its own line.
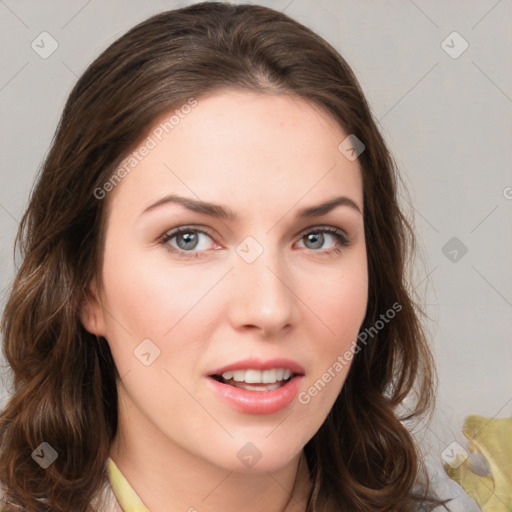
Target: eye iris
187 240
190 240
316 238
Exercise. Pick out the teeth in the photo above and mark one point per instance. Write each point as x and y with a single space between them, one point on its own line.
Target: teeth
251 376
268 376
256 387
238 375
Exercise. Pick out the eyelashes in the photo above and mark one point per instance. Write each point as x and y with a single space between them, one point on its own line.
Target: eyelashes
342 240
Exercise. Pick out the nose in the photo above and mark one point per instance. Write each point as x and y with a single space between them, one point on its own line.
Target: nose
262 295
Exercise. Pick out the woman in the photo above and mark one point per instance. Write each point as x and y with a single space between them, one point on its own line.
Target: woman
212 311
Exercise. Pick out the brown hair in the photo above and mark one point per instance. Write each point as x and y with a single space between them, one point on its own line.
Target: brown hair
64 393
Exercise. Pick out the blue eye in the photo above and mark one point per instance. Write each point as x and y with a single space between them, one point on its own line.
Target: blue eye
317 238
188 238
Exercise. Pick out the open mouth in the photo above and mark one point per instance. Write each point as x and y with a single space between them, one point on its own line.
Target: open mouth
249 390
254 380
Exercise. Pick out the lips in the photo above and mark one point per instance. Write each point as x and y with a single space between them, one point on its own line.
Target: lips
247 401
258 364
257 398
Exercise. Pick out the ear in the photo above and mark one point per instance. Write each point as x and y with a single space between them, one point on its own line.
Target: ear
92 314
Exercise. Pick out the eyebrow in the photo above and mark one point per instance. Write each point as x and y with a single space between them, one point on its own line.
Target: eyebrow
223 212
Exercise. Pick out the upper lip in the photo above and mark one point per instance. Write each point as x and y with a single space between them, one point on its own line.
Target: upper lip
258 364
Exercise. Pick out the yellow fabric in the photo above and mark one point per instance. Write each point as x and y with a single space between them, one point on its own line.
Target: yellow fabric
493 439
126 496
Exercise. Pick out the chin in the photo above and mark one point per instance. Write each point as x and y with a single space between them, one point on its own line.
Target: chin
248 458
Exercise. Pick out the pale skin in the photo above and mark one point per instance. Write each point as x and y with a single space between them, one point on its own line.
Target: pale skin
264 157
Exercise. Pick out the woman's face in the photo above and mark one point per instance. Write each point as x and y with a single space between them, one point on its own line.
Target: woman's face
271 283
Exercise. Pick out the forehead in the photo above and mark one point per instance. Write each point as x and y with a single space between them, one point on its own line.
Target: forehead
247 148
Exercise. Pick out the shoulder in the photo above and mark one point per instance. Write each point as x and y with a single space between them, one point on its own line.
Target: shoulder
105 500
444 488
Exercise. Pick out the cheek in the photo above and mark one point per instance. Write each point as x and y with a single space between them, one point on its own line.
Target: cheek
152 299
148 294
345 301
339 299
339 302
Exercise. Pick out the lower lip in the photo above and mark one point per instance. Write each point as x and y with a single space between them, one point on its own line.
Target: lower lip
257 402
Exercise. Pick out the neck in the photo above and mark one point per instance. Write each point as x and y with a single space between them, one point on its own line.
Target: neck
168 478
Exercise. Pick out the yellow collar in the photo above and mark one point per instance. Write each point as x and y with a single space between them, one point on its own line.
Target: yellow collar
126 496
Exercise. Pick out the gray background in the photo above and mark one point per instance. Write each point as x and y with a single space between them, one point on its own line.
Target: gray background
447 121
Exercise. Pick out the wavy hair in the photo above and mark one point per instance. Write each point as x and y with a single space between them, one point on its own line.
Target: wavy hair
363 458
